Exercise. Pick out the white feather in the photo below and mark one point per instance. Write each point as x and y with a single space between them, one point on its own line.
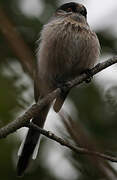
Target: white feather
34 155
22 145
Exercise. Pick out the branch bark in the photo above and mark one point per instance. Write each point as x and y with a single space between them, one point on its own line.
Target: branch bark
35 109
76 149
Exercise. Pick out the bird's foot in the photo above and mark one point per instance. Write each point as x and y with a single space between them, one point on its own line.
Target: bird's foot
89 74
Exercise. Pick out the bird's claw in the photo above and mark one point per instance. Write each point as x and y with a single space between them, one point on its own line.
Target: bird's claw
89 74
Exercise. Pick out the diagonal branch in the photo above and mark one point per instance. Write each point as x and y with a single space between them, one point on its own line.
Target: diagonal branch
35 109
76 149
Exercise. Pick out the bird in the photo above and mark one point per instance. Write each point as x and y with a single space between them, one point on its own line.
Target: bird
67 47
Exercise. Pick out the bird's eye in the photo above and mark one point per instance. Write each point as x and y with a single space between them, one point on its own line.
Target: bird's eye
69 9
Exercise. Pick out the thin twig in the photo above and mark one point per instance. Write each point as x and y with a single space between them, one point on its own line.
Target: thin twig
77 149
35 109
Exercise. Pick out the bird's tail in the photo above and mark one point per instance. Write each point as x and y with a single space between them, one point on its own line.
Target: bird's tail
30 145
59 101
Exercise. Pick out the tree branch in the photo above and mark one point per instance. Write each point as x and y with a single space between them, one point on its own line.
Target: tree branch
35 109
76 149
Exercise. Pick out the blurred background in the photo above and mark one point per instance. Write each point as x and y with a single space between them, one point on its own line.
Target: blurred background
91 109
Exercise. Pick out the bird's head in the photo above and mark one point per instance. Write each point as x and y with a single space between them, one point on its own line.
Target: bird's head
72 8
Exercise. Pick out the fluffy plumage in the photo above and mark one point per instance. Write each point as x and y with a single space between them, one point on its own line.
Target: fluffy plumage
67 47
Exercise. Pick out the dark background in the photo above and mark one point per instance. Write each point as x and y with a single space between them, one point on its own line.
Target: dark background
94 113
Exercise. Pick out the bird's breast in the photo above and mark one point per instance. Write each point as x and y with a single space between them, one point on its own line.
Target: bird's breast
67 49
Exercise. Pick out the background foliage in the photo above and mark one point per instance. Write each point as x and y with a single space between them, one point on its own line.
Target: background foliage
95 119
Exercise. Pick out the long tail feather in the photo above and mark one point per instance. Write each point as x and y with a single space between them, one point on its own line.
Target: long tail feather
27 151
29 147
